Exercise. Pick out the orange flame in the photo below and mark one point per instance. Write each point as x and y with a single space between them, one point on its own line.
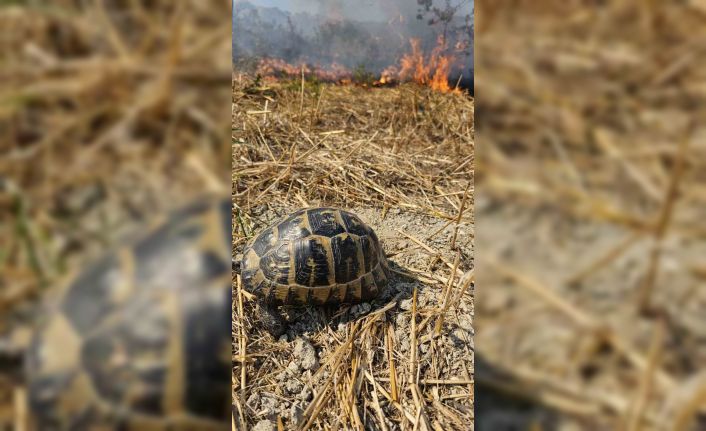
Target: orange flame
432 70
275 67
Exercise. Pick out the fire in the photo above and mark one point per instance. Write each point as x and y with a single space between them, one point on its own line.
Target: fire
440 80
430 70
274 67
389 76
433 71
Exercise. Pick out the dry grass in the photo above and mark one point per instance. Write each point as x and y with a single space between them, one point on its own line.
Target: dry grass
394 152
110 113
92 132
592 205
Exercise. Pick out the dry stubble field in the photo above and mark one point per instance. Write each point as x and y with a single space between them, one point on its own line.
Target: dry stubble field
402 159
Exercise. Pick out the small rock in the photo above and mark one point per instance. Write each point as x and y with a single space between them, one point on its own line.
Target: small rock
360 309
253 400
293 386
306 354
264 425
293 368
295 412
406 304
268 406
305 394
401 320
459 337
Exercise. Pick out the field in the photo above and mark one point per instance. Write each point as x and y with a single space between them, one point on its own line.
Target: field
590 205
402 159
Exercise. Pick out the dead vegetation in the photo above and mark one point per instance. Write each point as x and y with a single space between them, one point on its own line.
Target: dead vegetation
111 113
590 174
402 159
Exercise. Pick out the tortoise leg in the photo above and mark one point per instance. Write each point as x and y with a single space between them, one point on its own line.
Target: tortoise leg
272 320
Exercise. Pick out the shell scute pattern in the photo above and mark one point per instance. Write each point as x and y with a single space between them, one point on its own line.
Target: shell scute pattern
311 261
346 258
293 227
275 264
130 344
315 256
324 222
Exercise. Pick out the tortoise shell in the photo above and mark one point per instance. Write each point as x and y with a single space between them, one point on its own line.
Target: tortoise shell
315 256
141 339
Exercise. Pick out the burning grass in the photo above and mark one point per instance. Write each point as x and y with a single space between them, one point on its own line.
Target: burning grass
592 205
432 70
401 158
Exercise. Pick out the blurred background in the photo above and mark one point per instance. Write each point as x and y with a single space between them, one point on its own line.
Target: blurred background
112 113
591 303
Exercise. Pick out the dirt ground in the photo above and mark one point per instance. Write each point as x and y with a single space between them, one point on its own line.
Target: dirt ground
377 365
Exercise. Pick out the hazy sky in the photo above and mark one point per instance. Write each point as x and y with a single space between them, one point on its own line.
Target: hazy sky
364 10
358 9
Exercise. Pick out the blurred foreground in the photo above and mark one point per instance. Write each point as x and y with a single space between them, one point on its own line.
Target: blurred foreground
591 213
111 113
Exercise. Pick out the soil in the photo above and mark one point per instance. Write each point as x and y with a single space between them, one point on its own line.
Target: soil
301 350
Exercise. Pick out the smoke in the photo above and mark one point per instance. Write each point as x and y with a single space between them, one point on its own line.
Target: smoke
364 10
366 34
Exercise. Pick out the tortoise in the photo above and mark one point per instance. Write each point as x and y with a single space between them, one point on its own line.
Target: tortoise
314 256
140 340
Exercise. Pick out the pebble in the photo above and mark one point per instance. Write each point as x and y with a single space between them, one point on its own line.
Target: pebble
253 400
406 304
360 309
293 386
305 394
264 425
268 406
305 354
293 368
401 320
459 337
296 412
